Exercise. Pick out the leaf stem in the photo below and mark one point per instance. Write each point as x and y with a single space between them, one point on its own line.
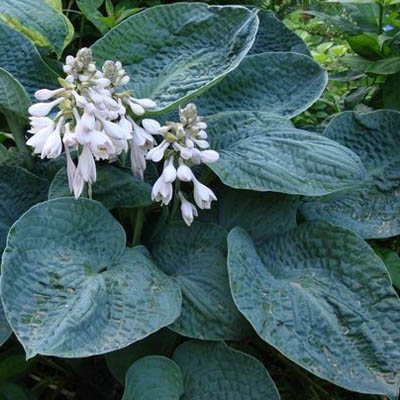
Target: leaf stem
381 9
176 201
137 232
17 129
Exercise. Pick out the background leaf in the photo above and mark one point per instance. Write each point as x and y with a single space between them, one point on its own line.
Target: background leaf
278 83
85 288
153 377
43 24
174 52
196 257
370 208
216 371
321 296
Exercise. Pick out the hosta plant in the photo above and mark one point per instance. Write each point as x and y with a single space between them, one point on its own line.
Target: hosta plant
163 210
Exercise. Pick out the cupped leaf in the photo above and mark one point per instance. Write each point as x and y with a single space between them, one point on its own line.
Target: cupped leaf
321 296
371 208
22 60
42 23
281 83
14 100
19 190
70 288
174 52
5 330
153 377
273 35
162 343
114 187
196 257
287 160
216 371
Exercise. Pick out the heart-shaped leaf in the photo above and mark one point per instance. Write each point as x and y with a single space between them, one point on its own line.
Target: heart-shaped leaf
19 190
70 288
286 160
321 296
22 60
174 52
216 371
153 377
372 208
114 187
14 100
43 24
273 35
196 257
279 83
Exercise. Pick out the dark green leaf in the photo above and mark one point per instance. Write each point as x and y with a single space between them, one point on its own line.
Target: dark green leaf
153 377
321 296
216 371
87 294
174 52
391 95
392 262
366 45
278 83
196 257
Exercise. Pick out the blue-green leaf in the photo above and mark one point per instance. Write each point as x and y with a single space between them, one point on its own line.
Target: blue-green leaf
153 377
175 52
371 208
5 330
321 296
70 288
196 257
279 83
216 371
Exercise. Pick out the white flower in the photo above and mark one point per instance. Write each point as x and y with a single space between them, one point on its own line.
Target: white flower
114 130
86 165
46 94
38 123
42 109
53 146
71 169
162 191
209 156
138 160
203 196
184 173
101 145
152 126
169 172
38 140
78 184
157 153
188 210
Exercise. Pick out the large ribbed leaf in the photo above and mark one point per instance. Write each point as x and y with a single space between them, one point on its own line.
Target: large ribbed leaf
372 208
273 35
153 377
284 160
321 296
279 83
5 330
21 59
174 52
70 288
196 257
114 187
19 190
216 371
14 100
43 24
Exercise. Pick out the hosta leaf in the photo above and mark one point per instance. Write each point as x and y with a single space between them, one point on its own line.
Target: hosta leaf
22 60
196 257
70 288
321 296
370 209
19 190
153 377
161 343
216 371
392 262
273 35
114 187
174 52
14 100
5 330
285 160
278 83
43 24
